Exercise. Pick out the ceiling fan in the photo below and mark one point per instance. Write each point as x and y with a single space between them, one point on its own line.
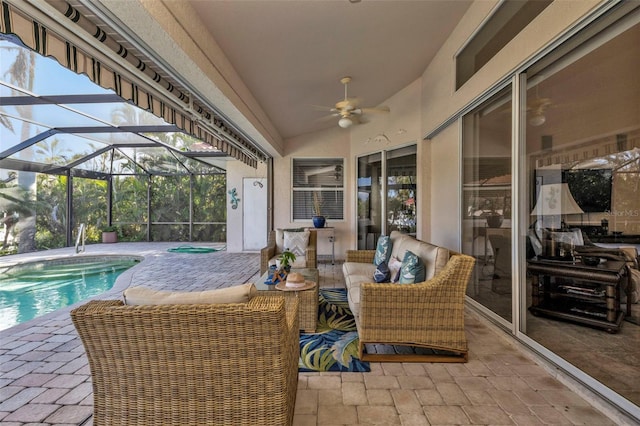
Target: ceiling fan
348 110
537 107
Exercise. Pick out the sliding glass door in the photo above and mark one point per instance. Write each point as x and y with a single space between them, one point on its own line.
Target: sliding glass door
583 142
401 190
386 184
486 215
369 200
578 175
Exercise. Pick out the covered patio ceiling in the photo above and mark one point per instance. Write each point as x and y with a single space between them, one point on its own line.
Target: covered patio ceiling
84 129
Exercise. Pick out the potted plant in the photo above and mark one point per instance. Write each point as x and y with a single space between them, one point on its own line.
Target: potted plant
286 260
318 219
110 234
282 267
494 219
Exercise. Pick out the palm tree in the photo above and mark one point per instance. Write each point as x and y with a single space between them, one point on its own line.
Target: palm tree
15 202
21 73
52 153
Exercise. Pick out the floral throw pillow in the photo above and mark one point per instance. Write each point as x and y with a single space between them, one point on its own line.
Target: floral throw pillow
383 250
412 269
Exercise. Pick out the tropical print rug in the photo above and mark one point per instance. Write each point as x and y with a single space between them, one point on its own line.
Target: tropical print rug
334 345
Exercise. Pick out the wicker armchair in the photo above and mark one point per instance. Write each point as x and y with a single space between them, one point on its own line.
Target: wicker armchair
427 315
271 250
192 364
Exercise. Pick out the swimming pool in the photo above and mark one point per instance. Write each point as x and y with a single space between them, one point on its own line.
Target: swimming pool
29 290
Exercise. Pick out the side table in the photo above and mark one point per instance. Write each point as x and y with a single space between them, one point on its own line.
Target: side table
307 299
576 292
326 235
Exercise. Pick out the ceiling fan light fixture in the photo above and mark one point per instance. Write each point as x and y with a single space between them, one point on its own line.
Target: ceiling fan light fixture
345 122
537 120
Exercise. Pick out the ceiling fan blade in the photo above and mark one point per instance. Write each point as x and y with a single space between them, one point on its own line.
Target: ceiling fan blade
349 104
354 101
361 119
540 102
328 117
376 110
349 109
322 107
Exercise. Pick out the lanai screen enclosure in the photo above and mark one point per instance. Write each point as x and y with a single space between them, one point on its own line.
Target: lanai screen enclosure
72 152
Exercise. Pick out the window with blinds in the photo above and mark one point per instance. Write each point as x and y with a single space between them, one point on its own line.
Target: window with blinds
318 182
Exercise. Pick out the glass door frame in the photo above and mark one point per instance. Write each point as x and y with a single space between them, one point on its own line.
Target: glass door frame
383 186
521 214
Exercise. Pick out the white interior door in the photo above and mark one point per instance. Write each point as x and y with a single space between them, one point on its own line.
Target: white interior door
254 214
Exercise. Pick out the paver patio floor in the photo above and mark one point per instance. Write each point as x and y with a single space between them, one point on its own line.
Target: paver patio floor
45 378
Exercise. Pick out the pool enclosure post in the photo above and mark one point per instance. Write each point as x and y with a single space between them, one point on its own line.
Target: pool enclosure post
109 200
70 218
149 182
191 178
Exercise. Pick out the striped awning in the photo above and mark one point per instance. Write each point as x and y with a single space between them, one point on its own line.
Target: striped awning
130 77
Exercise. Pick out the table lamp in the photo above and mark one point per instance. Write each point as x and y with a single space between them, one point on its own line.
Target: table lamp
555 201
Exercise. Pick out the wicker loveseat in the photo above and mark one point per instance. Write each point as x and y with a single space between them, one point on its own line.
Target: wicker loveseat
276 245
198 364
426 315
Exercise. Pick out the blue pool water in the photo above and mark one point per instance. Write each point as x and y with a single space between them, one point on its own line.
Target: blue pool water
32 290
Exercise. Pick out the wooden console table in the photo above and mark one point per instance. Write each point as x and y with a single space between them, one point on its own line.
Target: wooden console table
576 292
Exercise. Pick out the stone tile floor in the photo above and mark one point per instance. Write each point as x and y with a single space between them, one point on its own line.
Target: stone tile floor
45 378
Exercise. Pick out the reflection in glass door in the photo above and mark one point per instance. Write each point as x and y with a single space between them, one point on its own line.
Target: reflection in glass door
584 137
369 200
386 183
401 190
486 215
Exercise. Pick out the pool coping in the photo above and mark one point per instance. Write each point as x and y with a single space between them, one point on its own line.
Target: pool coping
19 267
143 251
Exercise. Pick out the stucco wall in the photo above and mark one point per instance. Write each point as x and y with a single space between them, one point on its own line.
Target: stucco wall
331 143
440 100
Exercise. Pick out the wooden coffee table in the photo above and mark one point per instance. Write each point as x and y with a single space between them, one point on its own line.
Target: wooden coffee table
307 299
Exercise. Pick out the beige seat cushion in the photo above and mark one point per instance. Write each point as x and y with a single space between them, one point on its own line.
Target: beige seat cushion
356 273
147 296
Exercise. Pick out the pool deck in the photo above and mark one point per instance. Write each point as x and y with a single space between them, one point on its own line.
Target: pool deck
45 378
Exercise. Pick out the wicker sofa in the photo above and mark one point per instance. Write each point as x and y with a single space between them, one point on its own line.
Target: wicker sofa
427 315
275 246
197 364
